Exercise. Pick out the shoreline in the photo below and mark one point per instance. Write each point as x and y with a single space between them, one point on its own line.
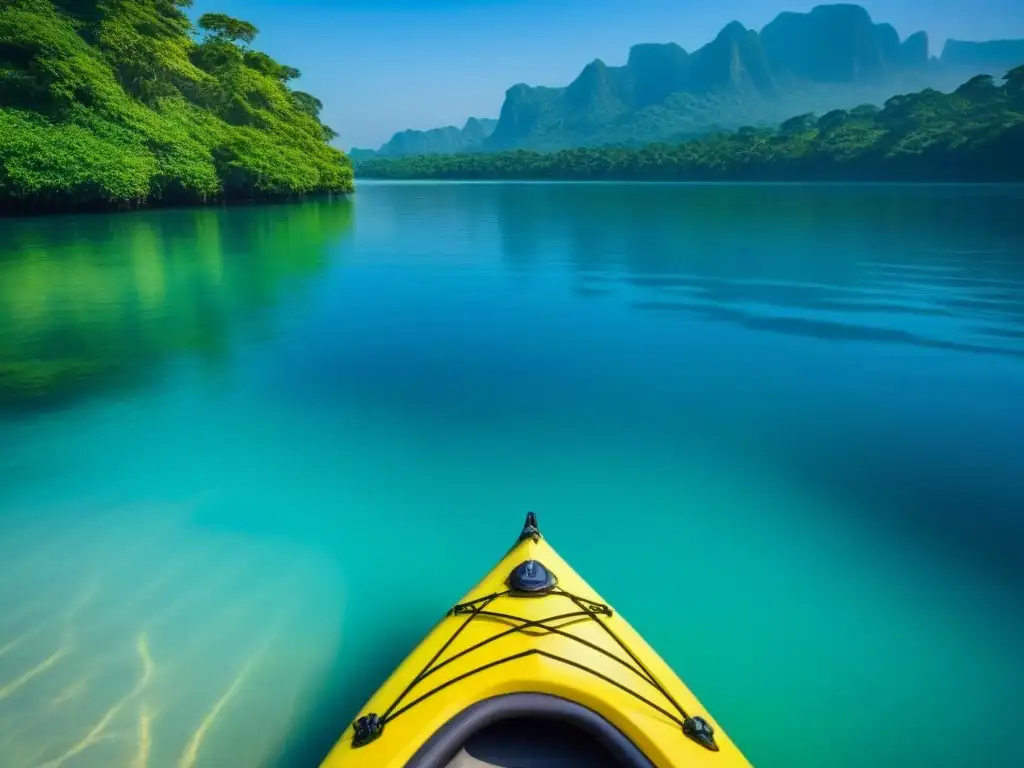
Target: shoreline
23 210
806 181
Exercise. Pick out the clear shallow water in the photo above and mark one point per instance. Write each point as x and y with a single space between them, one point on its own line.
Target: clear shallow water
228 438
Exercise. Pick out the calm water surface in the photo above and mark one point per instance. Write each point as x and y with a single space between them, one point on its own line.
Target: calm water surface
249 456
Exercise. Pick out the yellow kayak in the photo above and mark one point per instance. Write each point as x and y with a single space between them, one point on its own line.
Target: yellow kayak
533 668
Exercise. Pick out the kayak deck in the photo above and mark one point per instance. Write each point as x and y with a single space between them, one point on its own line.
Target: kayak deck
532 647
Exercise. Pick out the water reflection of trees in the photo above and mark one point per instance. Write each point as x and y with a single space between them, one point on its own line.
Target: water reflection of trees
97 302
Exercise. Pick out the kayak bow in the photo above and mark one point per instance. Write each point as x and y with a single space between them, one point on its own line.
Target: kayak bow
532 666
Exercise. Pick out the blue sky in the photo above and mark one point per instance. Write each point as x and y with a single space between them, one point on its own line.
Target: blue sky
380 66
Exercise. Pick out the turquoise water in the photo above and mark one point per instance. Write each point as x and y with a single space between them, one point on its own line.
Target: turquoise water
249 456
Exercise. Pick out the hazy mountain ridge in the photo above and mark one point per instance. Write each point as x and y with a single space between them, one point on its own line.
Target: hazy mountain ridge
834 56
992 53
975 134
446 140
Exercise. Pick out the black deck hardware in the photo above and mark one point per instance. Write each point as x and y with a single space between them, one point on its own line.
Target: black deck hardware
530 577
530 529
698 729
366 729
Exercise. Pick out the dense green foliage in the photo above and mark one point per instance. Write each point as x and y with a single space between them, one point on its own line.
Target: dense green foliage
974 133
114 103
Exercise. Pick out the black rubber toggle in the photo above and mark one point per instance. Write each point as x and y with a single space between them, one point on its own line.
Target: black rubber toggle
697 728
530 529
367 728
532 577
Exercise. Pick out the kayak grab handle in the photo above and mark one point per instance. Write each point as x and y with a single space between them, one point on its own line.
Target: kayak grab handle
530 529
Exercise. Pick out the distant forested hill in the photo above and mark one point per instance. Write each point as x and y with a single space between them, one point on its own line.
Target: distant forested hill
115 103
833 57
975 133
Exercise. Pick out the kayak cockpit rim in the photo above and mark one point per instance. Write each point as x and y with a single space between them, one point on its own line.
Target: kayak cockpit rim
452 737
